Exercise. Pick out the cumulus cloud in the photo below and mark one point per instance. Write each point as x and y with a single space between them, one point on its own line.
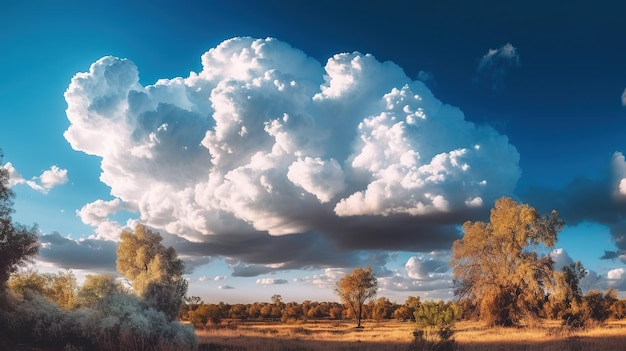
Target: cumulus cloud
225 287
271 281
42 183
495 65
624 98
266 142
97 214
425 267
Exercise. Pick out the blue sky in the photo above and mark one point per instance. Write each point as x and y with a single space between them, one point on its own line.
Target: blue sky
277 145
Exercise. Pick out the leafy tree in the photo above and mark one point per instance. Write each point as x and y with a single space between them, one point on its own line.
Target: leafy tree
18 243
383 309
59 288
97 287
155 272
566 292
498 265
436 319
355 289
407 310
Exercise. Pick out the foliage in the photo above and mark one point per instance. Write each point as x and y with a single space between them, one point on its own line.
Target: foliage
566 293
437 319
118 322
155 272
95 288
498 265
355 289
383 309
18 243
59 288
406 312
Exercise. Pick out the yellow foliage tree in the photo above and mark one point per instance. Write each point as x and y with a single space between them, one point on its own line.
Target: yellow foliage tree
499 266
355 289
155 272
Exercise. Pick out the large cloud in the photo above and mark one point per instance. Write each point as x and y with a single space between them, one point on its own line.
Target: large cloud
265 142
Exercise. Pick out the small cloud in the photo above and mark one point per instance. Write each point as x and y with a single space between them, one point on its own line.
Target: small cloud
617 274
495 65
43 183
225 287
220 277
53 177
96 214
624 98
271 281
202 278
425 267
14 176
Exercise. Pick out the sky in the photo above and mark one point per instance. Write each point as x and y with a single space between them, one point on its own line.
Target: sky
278 145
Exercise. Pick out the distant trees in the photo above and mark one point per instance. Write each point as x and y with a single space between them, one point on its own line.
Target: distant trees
497 265
155 272
355 289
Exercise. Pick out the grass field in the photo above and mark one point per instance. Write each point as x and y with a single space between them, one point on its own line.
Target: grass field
387 336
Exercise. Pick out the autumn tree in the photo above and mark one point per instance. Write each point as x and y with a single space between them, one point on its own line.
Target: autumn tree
96 288
566 295
155 272
499 266
355 289
18 243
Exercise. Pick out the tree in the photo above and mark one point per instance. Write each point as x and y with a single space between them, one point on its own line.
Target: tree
18 243
155 272
96 288
566 293
383 309
355 289
59 288
498 265
436 319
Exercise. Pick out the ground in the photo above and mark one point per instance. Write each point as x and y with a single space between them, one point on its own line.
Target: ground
392 335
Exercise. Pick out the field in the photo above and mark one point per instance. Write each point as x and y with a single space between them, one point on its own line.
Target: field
390 335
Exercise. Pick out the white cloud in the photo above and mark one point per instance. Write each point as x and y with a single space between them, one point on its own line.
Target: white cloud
225 287
53 177
618 165
496 63
425 267
265 140
560 258
271 281
624 98
14 176
617 274
43 183
97 214
220 277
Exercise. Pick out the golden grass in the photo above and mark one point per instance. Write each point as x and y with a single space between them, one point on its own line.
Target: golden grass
391 335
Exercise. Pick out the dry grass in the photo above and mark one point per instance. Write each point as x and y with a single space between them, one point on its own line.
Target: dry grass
391 335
